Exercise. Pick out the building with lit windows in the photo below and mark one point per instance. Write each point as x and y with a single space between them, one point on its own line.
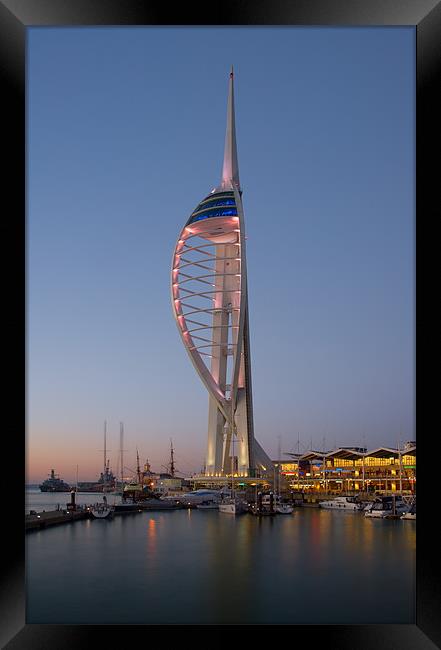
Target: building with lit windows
352 469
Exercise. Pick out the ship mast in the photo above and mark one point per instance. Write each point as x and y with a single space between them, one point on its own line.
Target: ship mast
105 450
172 463
138 469
121 437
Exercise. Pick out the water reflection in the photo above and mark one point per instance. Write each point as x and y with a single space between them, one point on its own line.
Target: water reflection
208 567
151 534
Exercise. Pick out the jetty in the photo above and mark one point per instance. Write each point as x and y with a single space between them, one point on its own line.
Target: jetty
53 518
74 512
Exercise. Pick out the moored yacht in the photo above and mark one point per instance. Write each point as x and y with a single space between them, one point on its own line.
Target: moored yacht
387 507
342 503
411 514
208 505
277 504
233 506
284 509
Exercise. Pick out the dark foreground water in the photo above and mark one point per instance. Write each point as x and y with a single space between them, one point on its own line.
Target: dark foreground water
186 566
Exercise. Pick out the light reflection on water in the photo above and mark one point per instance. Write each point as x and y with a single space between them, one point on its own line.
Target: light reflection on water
314 566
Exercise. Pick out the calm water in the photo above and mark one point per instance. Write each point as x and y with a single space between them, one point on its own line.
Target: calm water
39 501
187 566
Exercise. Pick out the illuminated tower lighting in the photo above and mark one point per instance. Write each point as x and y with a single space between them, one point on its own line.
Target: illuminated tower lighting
210 305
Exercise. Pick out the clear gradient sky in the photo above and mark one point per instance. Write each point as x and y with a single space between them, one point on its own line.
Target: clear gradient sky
125 136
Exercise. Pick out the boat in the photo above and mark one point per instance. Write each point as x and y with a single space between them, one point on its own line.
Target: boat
101 510
342 503
233 506
127 507
208 505
387 508
284 509
277 505
259 512
194 498
411 514
54 484
264 505
136 491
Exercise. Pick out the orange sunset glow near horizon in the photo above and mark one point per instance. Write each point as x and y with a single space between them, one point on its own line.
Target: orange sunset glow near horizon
46 451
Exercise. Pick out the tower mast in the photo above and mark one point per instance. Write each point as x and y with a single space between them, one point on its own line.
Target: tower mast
230 167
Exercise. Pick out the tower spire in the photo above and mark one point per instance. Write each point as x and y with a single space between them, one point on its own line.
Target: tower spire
230 168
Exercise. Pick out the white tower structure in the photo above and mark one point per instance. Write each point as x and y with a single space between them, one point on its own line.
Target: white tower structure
210 306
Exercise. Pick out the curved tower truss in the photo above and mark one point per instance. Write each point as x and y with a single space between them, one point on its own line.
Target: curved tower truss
210 305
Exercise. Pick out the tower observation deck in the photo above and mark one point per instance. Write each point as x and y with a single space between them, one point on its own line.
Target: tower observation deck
210 306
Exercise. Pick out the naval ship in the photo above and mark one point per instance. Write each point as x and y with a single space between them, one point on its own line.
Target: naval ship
54 484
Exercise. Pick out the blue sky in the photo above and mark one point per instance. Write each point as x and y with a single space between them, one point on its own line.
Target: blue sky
125 136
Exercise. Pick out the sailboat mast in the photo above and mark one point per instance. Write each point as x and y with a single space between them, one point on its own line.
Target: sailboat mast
232 464
172 463
279 453
105 448
121 450
232 457
400 458
138 469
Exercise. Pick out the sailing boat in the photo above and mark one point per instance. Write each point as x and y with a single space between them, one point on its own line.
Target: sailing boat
279 507
232 505
134 488
102 510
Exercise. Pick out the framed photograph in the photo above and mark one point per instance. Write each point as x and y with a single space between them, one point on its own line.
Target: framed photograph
239 193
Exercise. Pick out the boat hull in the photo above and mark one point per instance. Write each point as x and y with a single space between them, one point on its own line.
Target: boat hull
101 513
232 508
45 489
384 514
340 503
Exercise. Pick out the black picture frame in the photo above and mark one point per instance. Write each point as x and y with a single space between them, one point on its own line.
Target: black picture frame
15 17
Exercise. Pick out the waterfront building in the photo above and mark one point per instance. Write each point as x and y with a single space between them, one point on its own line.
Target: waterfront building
352 469
210 305
167 484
